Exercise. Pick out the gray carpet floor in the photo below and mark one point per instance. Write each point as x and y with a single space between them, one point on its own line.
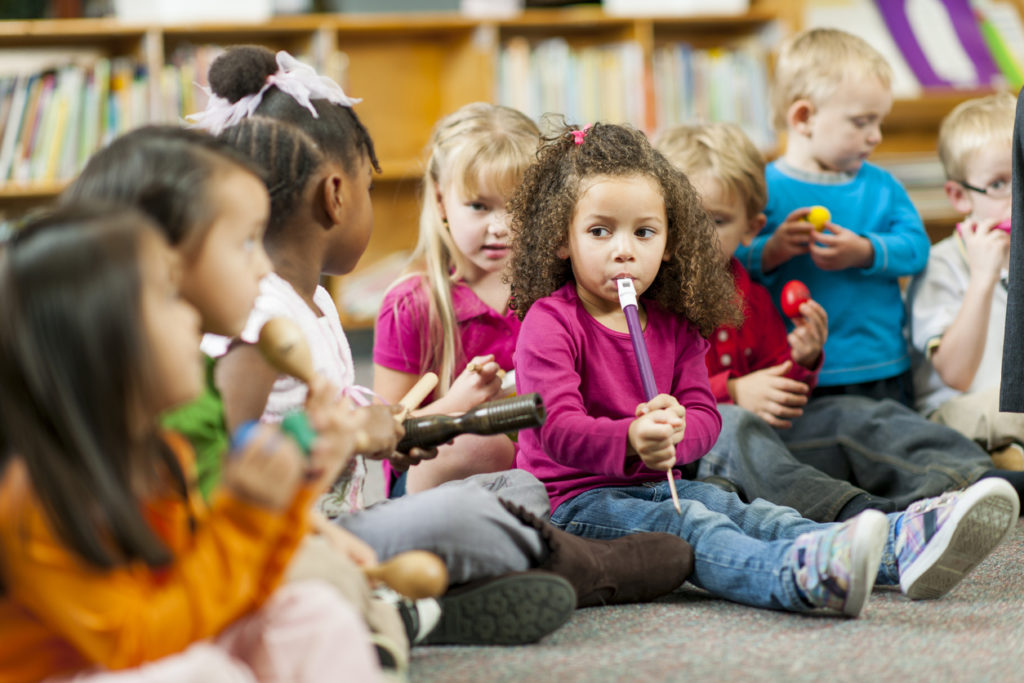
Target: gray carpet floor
976 633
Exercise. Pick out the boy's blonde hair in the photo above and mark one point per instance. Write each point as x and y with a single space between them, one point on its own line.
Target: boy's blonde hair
479 144
813 63
971 126
723 151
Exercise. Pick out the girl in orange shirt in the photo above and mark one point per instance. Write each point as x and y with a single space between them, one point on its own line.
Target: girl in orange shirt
108 560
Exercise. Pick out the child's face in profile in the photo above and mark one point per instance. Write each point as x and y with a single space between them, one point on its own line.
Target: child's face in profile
728 211
172 327
991 169
356 219
619 229
222 279
478 226
847 127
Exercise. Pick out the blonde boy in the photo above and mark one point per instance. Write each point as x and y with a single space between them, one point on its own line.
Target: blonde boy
958 304
775 443
832 94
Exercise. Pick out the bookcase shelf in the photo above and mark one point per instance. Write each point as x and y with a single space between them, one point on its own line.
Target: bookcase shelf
411 69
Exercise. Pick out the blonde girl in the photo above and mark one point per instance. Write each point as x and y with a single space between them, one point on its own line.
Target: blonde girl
450 313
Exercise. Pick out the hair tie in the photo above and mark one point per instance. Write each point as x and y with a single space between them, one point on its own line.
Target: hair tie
292 77
578 135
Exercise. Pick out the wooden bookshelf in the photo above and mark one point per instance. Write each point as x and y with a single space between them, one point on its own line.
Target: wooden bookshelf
411 69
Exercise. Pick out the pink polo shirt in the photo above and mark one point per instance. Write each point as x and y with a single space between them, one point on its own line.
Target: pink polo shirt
401 332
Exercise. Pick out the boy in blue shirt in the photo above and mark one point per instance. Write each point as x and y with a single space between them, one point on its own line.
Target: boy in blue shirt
832 94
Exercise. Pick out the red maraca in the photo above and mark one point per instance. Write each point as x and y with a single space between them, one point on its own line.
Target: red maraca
794 294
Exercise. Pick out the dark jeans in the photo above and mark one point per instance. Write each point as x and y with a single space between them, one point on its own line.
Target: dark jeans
899 388
842 446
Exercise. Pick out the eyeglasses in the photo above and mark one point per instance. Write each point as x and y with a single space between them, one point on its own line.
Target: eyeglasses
997 189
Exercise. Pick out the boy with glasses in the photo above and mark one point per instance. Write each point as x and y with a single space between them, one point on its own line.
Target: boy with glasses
958 303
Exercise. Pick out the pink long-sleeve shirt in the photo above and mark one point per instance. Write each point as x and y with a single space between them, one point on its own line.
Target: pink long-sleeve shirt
588 378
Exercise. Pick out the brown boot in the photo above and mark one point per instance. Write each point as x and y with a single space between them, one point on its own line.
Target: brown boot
634 568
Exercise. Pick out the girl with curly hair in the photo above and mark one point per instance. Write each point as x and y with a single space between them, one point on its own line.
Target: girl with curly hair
600 205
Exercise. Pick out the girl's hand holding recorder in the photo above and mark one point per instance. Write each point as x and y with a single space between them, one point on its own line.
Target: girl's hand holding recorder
659 427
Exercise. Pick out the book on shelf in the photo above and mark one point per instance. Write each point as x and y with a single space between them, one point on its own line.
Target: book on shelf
54 119
696 85
591 83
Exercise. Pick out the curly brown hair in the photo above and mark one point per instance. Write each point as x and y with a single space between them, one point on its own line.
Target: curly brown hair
693 282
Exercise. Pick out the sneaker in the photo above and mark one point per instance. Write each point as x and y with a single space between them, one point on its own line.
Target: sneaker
418 616
940 540
836 567
511 609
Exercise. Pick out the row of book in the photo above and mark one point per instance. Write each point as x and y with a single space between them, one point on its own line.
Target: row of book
611 83
694 85
54 119
602 82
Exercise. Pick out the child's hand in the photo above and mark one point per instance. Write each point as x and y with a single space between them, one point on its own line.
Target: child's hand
380 429
344 542
988 250
478 383
336 425
403 461
659 426
837 248
809 334
771 395
267 470
791 238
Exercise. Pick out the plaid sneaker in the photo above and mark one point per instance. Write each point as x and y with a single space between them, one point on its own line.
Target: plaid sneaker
836 567
940 540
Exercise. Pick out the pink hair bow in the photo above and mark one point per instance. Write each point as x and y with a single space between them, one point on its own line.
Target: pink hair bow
578 135
298 80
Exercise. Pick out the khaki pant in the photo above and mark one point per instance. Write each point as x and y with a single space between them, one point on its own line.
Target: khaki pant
977 417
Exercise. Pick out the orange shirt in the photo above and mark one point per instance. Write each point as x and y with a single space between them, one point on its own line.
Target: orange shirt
59 613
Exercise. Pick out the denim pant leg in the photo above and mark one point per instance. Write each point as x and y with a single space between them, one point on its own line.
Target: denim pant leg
464 524
884 448
728 562
750 453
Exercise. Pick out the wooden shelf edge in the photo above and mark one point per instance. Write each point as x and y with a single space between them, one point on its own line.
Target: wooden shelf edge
40 191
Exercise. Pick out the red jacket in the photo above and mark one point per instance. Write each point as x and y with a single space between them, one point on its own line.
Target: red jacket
758 344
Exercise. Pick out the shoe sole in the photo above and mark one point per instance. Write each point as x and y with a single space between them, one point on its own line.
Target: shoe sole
866 552
512 610
981 520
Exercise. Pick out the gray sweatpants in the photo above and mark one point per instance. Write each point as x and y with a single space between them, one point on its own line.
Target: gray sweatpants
463 522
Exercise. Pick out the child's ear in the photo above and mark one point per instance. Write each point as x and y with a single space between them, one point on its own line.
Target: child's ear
798 116
331 196
562 252
754 226
959 197
440 203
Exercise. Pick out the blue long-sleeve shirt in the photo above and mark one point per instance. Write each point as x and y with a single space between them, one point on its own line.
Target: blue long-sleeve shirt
865 310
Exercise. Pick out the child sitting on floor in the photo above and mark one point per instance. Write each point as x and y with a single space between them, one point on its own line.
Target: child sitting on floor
600 205
832 92
958 304
775 443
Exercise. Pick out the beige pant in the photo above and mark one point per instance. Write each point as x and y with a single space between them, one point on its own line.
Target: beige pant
315 558
977 417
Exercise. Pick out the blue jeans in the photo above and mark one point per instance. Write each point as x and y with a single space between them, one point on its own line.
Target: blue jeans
741 552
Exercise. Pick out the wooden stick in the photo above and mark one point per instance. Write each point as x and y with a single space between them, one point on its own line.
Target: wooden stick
417 393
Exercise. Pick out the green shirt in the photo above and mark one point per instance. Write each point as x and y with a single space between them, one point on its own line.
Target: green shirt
203 423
